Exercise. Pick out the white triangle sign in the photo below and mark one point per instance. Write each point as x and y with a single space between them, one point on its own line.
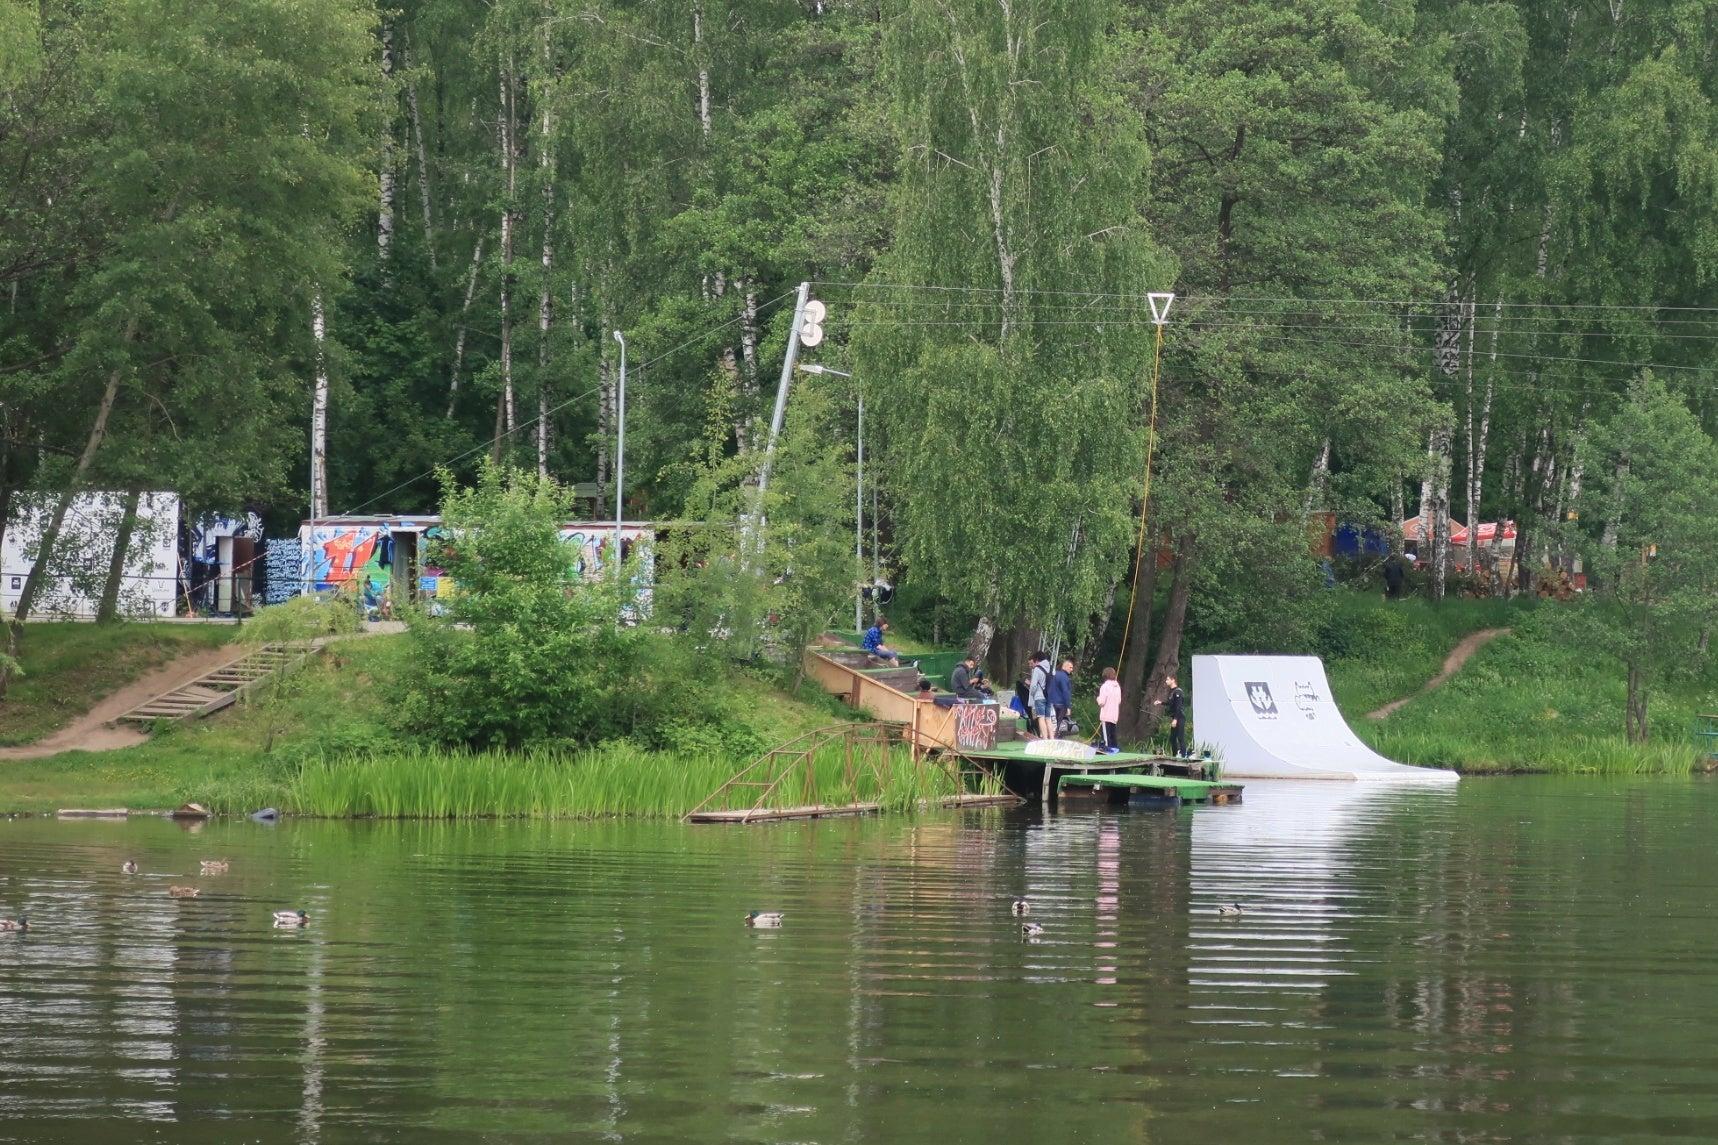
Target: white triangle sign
1159 307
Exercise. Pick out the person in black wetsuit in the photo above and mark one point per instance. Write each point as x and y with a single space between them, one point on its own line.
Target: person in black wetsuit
1395 572
1175 707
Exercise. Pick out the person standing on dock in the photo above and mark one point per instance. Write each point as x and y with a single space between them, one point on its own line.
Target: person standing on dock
874 646
1109 712
1062 695
1043 716
1176 702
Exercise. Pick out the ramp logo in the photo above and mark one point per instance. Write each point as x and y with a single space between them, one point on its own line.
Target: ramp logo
1259 695
1306 699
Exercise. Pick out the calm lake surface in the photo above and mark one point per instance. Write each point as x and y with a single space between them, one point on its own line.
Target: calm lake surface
1512 960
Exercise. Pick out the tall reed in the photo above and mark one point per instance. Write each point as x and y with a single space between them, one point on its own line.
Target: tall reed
616 780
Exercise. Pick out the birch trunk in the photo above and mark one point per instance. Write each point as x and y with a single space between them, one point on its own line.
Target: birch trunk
1317 480
385 207
424 195
108 610
319 413
74 485
506 123
459 338
1476 494
978 647
545 303
701 60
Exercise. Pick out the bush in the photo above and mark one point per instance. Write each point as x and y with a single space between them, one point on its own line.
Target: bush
301 618
527 653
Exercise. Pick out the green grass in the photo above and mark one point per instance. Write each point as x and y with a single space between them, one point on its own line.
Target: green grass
337 707
1377 651
1534 701
69 667
617 780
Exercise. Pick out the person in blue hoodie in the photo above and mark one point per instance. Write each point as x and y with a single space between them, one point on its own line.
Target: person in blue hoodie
1061 693
874 646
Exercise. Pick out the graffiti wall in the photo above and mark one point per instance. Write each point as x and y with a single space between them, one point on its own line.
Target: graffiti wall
353 556
72 584
358 557
283 561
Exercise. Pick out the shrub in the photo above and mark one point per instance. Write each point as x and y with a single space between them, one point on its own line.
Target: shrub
301 618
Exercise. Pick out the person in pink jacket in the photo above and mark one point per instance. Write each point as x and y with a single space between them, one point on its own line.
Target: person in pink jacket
1109 711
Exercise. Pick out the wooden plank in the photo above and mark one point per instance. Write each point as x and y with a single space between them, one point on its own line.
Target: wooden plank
92 813
837 810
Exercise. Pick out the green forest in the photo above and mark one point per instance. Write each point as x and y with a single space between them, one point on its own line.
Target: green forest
1442 257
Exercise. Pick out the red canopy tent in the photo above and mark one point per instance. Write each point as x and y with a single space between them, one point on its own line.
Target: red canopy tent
1488 532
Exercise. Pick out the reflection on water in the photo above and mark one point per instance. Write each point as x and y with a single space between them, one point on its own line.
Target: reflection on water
1522 961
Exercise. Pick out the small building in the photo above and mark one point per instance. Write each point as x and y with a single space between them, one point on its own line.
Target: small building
388 555
173 565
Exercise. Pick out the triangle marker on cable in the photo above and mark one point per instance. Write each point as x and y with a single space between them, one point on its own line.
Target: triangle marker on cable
1159 307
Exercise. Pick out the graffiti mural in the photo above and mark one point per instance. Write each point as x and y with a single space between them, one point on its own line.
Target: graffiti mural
358 557
283 562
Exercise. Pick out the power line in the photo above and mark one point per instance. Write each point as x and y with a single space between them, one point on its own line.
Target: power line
1196 299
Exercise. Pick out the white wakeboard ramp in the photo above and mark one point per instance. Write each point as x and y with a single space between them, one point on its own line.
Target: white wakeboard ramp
1272 717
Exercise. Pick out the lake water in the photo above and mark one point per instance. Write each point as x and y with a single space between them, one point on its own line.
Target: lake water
1512 960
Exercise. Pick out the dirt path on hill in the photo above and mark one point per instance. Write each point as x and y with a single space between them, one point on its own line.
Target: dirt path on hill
93 731
1458 656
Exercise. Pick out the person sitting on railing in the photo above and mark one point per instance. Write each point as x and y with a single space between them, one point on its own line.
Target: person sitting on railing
874 646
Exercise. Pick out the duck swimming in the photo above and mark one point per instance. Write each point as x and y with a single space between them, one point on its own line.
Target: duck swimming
291 918
1020 907
19 924
1230 910
184 892
764 918
129 867
1031 929
214 866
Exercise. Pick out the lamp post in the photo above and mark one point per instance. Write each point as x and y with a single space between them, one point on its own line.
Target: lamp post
858 496
620 453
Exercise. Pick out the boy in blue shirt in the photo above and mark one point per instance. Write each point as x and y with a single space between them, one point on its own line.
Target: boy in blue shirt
874 646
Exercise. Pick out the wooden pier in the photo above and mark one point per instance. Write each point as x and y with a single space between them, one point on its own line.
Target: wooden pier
839 810
1035 775
1167 790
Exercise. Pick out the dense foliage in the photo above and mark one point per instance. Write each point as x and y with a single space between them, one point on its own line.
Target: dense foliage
1425 254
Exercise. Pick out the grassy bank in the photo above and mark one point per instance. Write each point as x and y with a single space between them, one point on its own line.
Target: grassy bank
1533 701
69 667
327 733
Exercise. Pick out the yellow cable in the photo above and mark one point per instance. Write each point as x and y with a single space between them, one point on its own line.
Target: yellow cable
1145 498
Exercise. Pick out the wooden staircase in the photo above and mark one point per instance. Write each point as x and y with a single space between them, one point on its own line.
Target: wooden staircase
221 686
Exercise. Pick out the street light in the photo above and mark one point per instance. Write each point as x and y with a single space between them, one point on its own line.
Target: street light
858 495
620 453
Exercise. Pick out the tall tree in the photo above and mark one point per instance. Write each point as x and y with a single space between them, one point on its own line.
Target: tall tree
1022 174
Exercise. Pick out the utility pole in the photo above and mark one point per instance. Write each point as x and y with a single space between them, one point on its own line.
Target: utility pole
807 331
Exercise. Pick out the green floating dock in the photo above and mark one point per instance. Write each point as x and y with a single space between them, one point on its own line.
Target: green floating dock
1121 787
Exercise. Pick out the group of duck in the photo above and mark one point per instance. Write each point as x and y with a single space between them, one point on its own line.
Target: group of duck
772 919
205 869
